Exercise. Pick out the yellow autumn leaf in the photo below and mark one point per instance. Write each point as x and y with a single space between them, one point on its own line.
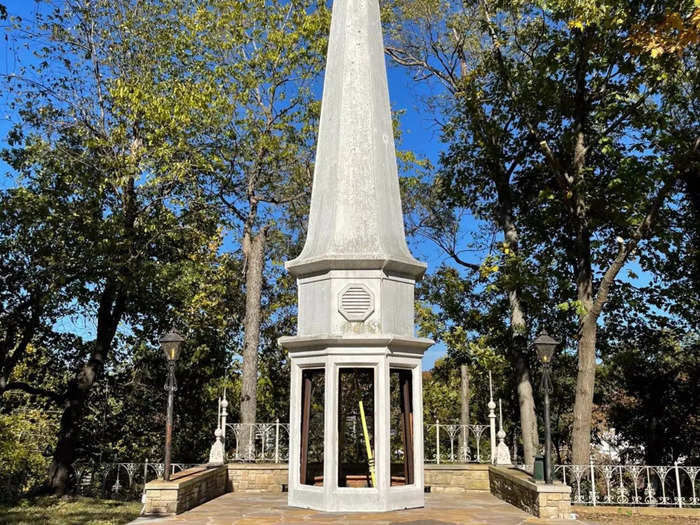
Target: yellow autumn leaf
657 51
575 24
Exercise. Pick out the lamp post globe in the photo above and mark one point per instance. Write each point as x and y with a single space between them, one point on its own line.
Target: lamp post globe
545 346
171 344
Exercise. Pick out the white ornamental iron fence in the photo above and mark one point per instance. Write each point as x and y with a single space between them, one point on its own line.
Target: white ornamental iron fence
120 480
259 442
456 443
644 485
471 445
443 442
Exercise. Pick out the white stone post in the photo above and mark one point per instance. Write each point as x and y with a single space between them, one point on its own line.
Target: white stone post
277 440
678 486
593 496
224 414
437 440
502 452
492 420
216 454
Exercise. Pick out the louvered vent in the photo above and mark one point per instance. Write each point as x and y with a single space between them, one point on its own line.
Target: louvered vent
356 302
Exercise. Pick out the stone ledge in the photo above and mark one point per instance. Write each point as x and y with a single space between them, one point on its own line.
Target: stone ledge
517 488
181 479
269 477
188 489
256 477
524 479
257 466
451 466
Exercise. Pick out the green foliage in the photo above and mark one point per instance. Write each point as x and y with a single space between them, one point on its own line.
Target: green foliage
649 391
440 398
23 460
147 136
567 138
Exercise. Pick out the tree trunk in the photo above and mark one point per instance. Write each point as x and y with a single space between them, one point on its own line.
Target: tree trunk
112 305
61 473
528 419
585 379
583 406
526 400
254 251
464 412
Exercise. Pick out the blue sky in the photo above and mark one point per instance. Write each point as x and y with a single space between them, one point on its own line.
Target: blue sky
419 134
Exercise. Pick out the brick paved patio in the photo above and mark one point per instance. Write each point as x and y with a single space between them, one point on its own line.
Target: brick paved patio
440 509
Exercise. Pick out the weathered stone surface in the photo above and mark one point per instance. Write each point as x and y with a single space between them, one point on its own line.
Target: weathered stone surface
440 509
516 487
355 275
257 478
192 487
355 220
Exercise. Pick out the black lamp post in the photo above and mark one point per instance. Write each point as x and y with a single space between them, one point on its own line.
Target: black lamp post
170 343
545 346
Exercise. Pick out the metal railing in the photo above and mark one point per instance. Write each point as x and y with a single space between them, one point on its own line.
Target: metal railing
120 480
263 442
643 485
456 443
443 442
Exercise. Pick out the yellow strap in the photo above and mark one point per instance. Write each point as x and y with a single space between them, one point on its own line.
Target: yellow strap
370 459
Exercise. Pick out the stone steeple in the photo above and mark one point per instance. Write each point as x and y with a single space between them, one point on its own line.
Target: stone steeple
356 282
355 220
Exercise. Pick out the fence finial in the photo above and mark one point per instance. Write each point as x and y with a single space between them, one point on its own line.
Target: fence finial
502 452
492 420
216 455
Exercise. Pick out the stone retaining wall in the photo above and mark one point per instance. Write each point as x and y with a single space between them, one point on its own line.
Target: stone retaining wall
517 488
192 487
184 491
457 479
261 477
257 477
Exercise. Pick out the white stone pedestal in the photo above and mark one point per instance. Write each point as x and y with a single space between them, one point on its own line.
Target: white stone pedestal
379 353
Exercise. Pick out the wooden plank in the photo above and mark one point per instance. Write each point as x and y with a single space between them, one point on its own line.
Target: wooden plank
402 405
305 419
407 410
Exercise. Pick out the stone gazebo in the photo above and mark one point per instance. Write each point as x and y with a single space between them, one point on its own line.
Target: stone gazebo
356 425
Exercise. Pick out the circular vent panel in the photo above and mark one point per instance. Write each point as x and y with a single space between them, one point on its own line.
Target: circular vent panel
356 302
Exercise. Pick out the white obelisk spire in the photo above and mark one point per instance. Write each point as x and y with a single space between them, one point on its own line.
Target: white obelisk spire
355 219
356 282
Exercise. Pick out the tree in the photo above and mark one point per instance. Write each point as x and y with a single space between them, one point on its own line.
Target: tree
602 174
260 131
650 396
445 45
555 139
109 174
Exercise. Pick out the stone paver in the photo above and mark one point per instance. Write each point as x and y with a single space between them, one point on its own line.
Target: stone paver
440 509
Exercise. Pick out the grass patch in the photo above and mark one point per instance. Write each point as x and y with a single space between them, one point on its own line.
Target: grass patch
70 511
